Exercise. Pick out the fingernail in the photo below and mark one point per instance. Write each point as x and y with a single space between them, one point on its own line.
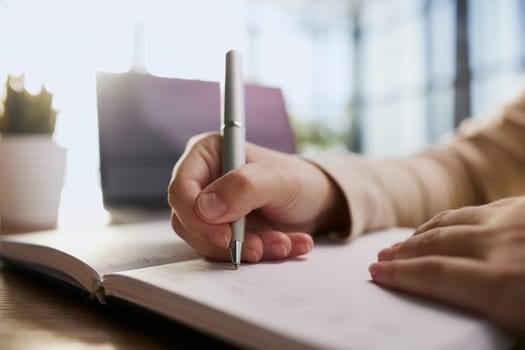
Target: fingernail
250 255
211 205
385 254
278 250
377 269
219 240
303 248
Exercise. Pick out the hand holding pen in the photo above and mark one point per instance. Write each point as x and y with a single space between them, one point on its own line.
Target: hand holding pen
283 197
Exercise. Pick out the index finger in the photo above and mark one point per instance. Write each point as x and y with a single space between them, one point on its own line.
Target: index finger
486 289
462 216
197 167
200 162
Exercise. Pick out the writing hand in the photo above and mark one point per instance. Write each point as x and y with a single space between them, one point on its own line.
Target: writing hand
473 257
283 197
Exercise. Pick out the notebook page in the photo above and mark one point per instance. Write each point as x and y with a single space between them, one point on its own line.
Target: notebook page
325 299
114 248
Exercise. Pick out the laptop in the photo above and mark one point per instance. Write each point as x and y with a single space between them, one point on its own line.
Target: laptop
145 121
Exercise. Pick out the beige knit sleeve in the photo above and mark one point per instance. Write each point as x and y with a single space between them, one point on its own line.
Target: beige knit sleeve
483 161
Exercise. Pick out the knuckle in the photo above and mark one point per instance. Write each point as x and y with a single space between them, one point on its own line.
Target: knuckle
430 237
206 138
172 194
171 199
193 140
201 145
432 266
244 181
420 244
440 218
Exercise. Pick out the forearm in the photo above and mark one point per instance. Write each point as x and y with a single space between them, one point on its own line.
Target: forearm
386 193
476 166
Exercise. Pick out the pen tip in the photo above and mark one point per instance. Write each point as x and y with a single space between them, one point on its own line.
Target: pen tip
235 266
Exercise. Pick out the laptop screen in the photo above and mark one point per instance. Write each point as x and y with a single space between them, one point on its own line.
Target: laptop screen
145 121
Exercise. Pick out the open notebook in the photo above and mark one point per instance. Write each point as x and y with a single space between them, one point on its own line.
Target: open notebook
322 300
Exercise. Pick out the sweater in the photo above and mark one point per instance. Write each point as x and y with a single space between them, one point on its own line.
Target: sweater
483 161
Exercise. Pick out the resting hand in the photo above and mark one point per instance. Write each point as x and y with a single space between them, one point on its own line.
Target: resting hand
284 198
473 257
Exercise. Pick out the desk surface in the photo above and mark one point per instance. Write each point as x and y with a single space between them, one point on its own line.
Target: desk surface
37 313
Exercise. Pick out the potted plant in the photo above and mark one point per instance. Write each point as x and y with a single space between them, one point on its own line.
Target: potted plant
32 165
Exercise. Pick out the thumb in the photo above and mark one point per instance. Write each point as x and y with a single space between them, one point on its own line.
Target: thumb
246 188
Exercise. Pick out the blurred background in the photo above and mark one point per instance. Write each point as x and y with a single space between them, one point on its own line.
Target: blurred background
378 77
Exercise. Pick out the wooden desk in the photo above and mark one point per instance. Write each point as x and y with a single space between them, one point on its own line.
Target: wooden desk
36 313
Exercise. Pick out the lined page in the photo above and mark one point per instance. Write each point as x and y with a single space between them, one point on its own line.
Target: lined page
325 299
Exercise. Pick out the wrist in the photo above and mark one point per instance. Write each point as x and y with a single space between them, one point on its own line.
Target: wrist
335 216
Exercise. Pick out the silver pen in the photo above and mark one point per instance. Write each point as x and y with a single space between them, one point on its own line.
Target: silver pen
234 137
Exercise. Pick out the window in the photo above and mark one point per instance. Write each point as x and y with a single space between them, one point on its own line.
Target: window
393 78
417 84
496 34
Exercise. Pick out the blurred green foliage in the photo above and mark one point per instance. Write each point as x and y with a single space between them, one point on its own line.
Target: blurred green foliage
316 134
25 113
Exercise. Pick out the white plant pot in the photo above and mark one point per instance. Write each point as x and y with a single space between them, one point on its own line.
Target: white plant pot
32 171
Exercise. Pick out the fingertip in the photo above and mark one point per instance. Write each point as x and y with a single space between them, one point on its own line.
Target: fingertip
278 249
277 245
252 248
250 255
302 244
273 245
386 254
301 249
378 271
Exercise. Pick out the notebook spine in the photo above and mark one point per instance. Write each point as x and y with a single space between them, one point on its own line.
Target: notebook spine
98 291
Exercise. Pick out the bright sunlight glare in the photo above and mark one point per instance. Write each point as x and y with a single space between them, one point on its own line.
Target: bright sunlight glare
61 44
